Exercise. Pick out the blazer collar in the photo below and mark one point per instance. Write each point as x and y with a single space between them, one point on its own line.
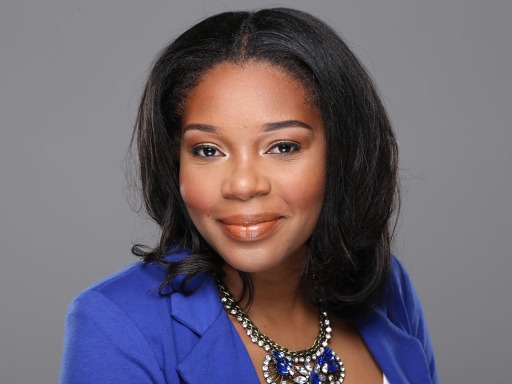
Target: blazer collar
400 356
219 354
199 309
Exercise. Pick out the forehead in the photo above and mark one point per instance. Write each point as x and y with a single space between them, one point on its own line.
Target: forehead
249 89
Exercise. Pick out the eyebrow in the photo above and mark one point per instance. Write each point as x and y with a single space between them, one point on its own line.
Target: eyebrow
274 126
200 127
267 127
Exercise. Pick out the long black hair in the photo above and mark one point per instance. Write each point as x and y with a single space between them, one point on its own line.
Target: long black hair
349 250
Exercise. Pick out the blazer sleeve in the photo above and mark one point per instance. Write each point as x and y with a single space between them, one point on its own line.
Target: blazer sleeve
103 345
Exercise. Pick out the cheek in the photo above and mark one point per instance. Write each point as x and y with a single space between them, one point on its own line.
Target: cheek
305 189
195 194
307 195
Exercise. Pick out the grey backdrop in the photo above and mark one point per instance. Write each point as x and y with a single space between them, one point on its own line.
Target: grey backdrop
70 76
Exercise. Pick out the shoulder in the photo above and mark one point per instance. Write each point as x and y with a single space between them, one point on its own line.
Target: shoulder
134 289
119 326
132 292
400 302
400 327
138 281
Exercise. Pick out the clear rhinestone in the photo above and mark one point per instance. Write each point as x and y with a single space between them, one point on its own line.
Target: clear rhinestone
249 332
254 339
260 343
327 322
328 329
223 299
267 348
302 371
244 324
301 359
300 380
328 336
233 311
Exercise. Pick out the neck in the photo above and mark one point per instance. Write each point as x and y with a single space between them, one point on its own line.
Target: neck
276 295
281 327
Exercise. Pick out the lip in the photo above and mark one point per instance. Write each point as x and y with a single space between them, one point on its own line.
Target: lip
250 227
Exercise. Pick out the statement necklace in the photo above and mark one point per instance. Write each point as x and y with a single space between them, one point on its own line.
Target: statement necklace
315 365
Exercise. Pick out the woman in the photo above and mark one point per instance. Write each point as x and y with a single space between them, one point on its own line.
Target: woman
268 161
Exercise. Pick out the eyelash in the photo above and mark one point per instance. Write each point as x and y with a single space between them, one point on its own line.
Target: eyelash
197 149
290 147
293 147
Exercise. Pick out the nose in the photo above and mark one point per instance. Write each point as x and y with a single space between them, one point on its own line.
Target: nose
245 180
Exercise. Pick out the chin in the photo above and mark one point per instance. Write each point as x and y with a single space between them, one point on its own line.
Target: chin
255 262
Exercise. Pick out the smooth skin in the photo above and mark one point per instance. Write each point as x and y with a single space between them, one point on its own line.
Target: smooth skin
252 176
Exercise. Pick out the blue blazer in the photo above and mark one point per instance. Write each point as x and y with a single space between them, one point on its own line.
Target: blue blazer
120 330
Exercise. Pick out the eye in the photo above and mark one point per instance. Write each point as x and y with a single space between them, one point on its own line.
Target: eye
206 151
284 147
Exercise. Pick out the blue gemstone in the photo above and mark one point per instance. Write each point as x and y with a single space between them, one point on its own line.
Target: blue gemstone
314 378
278 355
282 371
321 360
333 367
328 351
330 359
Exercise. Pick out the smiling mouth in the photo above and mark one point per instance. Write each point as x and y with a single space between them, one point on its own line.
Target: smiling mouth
250 227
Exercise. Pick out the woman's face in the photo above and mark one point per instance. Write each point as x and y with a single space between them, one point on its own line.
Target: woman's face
252 165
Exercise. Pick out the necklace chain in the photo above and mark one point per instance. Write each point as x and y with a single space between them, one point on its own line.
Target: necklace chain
315 364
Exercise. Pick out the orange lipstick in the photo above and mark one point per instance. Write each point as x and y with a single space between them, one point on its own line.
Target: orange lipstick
250 227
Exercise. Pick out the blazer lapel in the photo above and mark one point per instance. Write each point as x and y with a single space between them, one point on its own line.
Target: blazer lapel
398 354
215 353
